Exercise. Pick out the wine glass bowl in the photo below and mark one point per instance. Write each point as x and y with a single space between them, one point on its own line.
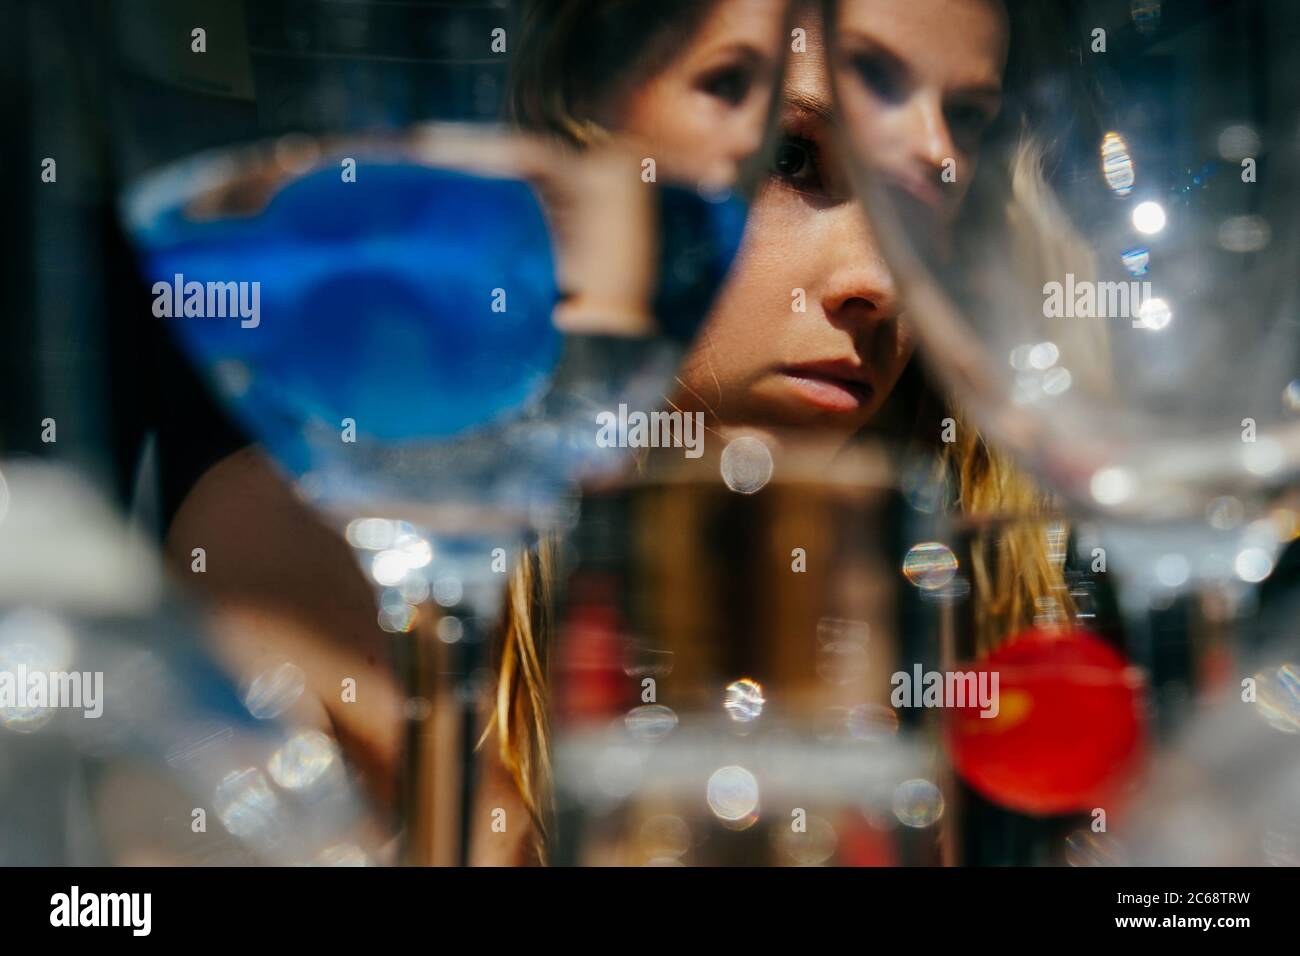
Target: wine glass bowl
1102 276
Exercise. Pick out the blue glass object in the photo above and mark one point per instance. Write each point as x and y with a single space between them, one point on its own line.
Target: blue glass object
415 302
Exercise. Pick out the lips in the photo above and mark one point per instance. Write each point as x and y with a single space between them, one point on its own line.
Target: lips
832 386
922 191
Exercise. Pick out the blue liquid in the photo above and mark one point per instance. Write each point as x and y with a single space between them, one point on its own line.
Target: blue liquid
376 303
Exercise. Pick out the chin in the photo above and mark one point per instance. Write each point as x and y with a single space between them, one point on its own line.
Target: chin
790 418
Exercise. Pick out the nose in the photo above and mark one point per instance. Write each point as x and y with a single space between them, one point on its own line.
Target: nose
928 138
859 290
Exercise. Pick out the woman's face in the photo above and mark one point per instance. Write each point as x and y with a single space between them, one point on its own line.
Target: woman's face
920 81
705 112
807 333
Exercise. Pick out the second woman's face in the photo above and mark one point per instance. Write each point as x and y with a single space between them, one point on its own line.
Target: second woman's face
808 331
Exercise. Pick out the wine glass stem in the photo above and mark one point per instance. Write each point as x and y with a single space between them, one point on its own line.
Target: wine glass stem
437 777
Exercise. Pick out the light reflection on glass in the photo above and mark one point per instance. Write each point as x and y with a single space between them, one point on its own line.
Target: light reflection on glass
641 660
389 567
872 722
665 838
1253 564
448 590
650 722
274 691
1136 260
1262 457
1085 848
746 465
1291 396
744 700
450 629
1172 570
930 565
1146 15
247 806
303 760
925 484
732 794
1044 355
1278 694
1245 233
1225 512
1057 381
1154 314
33 645
1117 164
1149 217
198 740
1111 486
1238 141
814 846
233 377
917 803
397 619
342 854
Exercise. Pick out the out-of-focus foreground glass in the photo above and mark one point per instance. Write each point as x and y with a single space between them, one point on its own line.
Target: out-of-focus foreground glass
1092 211
750 679
122 742
421 321
1099 243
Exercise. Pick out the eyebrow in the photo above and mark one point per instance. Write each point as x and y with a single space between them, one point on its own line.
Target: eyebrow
742 49
987 92
859 43
866 44
818 107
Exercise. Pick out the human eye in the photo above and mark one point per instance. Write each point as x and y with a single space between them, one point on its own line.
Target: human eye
968 122
795 163
729 83
880 75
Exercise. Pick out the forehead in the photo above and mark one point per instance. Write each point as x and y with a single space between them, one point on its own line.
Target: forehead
752 24
954 43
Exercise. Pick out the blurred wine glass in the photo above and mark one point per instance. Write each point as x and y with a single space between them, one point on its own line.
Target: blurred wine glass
1097 242
1099 253
149 754
421 321
715 704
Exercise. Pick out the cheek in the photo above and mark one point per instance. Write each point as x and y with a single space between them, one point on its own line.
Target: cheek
669 121
753 311
901 348
760 292
875 132
690 134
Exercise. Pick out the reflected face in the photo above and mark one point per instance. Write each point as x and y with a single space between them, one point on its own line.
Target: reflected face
705 110
807 331
920 81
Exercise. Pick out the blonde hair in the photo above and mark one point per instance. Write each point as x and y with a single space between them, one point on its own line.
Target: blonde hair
1016 573
520 715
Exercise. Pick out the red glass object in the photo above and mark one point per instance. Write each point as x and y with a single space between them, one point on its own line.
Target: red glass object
1068 730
